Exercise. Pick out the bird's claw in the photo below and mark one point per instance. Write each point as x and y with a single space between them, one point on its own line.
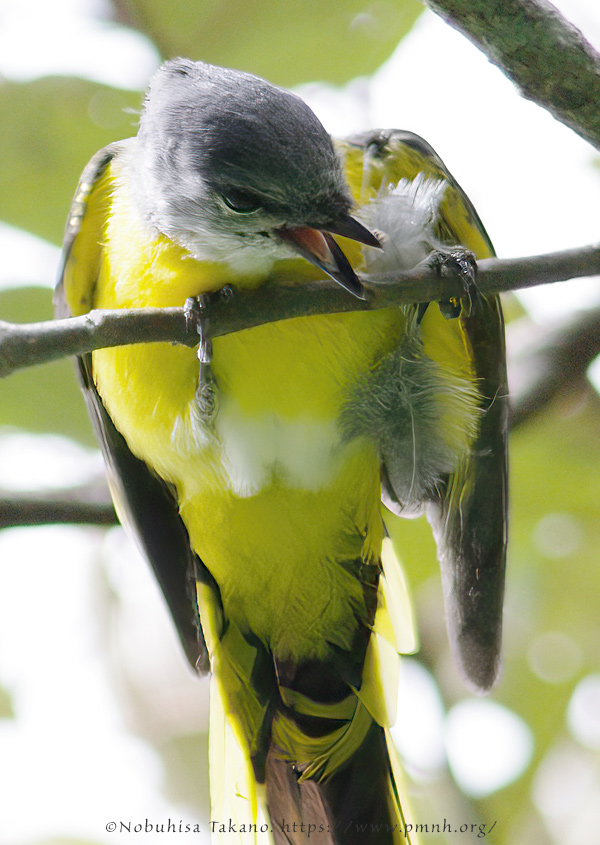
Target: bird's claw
206 396
456 262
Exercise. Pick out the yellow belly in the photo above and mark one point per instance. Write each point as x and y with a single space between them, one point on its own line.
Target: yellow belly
274 499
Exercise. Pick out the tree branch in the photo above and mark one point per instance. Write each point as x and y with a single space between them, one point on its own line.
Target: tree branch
24 345
538 369
89 504
20 511
544 361
551 63
544 55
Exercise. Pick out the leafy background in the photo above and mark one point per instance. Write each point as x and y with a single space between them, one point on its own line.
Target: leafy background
91 680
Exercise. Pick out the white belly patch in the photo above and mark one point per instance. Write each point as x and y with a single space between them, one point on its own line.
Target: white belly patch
305 452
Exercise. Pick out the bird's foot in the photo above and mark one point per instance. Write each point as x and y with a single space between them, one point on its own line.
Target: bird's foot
206 392
451 263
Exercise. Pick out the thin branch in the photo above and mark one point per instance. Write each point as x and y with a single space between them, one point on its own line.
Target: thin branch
24 345
19 511
544 361
88 504
544 55
551 63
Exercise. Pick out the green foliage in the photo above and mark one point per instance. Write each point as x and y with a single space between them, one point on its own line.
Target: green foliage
553 580
45 398
49 129
185 758
286 42
6 708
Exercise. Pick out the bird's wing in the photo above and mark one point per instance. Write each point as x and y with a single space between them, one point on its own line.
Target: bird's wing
144 502
468 507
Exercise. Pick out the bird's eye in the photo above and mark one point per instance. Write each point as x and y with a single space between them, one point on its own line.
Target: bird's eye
241 200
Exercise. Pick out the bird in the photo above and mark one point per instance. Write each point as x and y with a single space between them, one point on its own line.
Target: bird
260 472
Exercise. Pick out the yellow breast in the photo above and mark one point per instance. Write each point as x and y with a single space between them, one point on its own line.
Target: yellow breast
280 386
271 493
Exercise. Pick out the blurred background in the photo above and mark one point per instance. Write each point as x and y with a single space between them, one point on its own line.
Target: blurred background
100 719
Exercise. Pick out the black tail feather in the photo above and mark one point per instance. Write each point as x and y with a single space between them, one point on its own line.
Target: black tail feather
297 808
358 795
354 806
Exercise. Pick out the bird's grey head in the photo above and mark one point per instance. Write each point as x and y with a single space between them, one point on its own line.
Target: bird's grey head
225 161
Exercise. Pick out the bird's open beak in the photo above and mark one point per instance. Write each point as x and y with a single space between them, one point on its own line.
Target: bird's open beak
318 247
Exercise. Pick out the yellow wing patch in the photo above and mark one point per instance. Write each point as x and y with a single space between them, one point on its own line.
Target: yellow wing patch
85 231
394 633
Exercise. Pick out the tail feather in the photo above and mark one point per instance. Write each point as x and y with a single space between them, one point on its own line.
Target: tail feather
329 774
296 808
360 796
237 800
355 803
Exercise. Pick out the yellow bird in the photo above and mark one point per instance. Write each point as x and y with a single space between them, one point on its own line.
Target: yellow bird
253 477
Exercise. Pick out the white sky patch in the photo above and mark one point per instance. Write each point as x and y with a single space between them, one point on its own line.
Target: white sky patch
418 732
558 535
488 746
551 302
68 745
583 713
555 657
45 461
38 38
593 373
565 791
26 259
147 644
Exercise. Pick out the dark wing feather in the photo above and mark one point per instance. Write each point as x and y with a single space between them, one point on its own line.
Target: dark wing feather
469 518
148 509
145 504
468 511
